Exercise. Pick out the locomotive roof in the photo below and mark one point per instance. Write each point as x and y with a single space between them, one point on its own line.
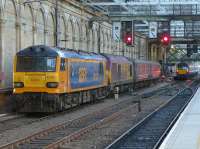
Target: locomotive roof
42 50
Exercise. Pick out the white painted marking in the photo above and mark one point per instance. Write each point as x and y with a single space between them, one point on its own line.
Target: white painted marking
2 115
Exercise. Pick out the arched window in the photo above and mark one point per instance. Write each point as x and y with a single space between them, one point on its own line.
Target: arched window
63 40
77 36
69 34
40 28
50 36
95 40
84 37
26 27
91 41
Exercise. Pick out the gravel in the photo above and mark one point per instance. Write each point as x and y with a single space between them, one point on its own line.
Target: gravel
25 130
106 134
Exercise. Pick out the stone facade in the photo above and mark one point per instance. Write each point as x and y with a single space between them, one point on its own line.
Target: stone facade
24 24
157 52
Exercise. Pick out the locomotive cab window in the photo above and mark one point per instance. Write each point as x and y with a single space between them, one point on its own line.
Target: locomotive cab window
36 64
182 66
62 64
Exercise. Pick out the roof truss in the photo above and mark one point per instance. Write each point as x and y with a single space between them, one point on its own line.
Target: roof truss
145 2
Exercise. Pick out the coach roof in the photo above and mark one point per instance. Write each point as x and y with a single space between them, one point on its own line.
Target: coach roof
117 59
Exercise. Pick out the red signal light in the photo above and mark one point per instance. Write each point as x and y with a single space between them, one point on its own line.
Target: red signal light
128 39
165 39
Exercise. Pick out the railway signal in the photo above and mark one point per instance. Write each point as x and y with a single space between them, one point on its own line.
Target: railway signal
128 32
128 39
165 39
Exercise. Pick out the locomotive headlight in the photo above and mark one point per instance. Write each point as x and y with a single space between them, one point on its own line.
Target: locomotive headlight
52 84
18 84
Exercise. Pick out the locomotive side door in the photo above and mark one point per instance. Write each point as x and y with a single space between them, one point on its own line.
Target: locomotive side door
63 75
66 75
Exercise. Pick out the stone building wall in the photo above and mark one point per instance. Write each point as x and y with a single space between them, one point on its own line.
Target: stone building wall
25 24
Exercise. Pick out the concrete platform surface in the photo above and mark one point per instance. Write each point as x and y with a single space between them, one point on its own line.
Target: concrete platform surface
185 134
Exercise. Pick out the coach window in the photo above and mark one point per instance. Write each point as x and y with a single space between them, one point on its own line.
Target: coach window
62 64
130 70
114 67
101 68
119 69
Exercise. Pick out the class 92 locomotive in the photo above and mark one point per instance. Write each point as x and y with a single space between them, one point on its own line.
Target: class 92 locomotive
48 79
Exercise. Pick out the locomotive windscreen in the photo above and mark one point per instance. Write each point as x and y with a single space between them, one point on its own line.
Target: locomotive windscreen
36 64
182 66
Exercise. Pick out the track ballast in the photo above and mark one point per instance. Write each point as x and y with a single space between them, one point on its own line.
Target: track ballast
150 132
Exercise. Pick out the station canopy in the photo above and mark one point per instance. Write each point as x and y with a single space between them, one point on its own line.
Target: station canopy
145 7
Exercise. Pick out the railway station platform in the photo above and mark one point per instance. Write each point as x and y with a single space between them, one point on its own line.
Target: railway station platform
185 134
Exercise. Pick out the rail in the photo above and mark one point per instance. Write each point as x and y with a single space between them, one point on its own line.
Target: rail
81 125
150 132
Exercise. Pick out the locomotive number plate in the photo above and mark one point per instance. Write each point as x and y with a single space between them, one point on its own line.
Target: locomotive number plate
35 81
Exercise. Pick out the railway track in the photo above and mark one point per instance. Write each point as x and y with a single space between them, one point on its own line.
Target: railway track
71 130
150 132
15 121
12 121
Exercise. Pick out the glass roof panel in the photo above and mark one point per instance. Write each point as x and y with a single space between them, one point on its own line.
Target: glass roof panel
147 7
